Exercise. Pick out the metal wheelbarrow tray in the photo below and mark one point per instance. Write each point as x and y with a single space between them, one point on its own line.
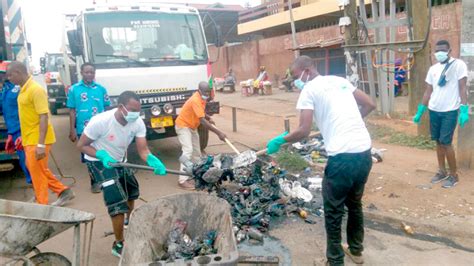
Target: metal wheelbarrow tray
23 226
151 223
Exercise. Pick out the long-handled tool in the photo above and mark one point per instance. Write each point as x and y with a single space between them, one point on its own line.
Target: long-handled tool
248 157
232 146
61 172
148 168
211 176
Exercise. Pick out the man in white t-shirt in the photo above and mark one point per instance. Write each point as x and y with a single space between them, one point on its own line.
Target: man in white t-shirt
105 141
446 98
337 108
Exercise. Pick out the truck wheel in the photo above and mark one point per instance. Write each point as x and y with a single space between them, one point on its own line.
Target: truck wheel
53 108
203 137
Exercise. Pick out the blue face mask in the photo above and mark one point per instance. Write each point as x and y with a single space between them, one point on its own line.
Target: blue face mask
441 56
299 83
131 116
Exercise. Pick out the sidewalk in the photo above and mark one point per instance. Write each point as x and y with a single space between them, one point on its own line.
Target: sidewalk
394 187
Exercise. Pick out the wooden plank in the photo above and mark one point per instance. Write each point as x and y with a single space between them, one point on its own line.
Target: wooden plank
368 55
391 58
418 11
382 59
465 149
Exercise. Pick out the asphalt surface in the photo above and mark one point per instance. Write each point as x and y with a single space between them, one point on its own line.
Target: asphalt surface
305 242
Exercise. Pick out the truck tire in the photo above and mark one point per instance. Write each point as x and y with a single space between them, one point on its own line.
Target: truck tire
203 137
53 108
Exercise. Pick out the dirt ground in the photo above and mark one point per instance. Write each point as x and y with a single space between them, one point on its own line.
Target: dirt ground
398 190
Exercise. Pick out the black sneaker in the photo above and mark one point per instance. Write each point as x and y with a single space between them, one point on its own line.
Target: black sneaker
450 182
438 177
117 248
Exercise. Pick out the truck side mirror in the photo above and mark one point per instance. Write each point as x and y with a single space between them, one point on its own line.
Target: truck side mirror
75 42
42 62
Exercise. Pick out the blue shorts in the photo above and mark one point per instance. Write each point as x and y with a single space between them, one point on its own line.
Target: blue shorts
443 125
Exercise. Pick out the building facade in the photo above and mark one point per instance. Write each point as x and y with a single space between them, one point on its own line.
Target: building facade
269 41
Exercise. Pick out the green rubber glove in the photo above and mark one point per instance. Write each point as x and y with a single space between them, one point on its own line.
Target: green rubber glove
154 162
105 158
275 143
463 115
421 109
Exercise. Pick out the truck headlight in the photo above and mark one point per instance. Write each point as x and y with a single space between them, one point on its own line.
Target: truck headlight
168 108
155 110
51 91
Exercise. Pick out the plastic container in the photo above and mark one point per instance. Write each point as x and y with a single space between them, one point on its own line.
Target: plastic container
150 224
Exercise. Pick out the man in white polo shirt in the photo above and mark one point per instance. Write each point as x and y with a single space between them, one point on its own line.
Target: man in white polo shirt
105 141
337 108
446 98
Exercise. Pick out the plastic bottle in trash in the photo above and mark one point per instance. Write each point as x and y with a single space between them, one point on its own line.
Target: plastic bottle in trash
254 233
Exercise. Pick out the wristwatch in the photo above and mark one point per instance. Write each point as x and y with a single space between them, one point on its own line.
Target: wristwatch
40 145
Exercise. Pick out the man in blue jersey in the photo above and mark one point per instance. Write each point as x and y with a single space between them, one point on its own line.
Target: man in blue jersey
85 99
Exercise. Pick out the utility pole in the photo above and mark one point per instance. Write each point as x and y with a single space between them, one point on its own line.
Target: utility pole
418 12
465 149
293 29
351 37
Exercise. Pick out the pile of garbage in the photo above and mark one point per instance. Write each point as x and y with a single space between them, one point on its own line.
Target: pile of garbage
180 245
314 151
259 193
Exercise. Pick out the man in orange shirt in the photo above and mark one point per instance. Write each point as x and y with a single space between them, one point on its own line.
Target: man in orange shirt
192 115
37 135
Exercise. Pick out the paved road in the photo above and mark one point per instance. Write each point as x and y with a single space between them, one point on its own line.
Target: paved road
305 242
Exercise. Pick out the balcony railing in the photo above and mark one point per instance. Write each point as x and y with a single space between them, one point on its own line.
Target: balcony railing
266 9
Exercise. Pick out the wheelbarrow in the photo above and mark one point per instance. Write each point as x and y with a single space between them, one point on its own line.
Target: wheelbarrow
151 223
23 226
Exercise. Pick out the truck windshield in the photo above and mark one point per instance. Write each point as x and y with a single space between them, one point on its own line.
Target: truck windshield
53 61
121 39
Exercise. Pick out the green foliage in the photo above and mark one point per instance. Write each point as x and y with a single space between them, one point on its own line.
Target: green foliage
390 136
291 161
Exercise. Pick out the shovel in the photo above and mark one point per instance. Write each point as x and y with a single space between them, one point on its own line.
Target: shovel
243 158
248 157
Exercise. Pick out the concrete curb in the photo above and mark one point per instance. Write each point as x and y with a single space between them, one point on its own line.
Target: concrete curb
456 231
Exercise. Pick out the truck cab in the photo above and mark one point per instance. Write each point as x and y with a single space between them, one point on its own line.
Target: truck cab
159 51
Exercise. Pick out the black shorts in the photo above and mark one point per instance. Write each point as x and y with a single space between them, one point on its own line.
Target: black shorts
119 185
443 125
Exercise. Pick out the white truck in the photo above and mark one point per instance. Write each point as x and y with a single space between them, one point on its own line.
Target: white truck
157 50
50 66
